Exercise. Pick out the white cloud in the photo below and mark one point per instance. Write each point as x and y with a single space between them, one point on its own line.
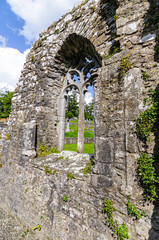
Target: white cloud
38 14
2 41
11 62
88 97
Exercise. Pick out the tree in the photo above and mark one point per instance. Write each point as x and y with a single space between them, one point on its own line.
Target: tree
5 103
88 111
72 108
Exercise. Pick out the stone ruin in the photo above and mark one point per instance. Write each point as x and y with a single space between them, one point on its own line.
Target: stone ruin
32 188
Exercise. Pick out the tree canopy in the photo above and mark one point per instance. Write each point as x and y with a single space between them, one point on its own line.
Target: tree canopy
5 103
72 106
88 111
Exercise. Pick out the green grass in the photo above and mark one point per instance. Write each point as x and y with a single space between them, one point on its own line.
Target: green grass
88 148
74 134
88 133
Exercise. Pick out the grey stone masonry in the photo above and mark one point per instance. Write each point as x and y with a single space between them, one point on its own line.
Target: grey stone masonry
49 197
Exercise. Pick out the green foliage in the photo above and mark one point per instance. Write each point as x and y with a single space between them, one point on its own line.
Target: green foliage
72 108
43 150
65 198
37 227
115 48
25 233
70 176
133 211
39 42
47 170
145 75
88 167
56 31
125 65
119 231
148 176
7 137
88 110
115 17
5 104
148 121
61 157
1 165
88 148
32 58
26 190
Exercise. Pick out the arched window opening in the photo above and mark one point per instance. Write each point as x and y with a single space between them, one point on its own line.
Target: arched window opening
80 79
78 63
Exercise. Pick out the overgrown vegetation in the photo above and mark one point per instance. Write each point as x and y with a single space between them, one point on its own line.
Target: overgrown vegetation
43 150
119 231
133 211
147 123
148 176
125 65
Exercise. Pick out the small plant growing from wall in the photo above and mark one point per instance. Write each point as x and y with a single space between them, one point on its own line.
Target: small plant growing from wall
125 65
43 150
145 76
47 170
56 31
37 227
119 231
147 122
70 176
115 48
65 198
133 211
88 167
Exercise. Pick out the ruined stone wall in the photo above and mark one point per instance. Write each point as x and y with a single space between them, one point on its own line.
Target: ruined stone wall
26 191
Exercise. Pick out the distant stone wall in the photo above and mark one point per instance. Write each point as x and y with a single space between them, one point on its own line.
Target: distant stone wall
114 33
74 140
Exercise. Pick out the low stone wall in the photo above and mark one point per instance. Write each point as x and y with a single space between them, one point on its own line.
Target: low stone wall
74 140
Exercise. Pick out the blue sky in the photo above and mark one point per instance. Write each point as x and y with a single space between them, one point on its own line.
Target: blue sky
9 27
20 24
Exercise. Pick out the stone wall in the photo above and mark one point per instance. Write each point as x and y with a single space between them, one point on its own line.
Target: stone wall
26 191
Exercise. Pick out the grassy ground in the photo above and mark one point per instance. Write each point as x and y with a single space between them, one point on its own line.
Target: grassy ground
88 148
88 132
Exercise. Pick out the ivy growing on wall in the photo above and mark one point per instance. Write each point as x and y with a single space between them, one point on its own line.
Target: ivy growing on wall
119 231
147 123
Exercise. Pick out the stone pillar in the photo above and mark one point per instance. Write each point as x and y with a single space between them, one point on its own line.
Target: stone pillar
81 118
61 125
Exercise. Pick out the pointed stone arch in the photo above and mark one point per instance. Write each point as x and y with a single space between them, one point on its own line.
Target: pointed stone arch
81 59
